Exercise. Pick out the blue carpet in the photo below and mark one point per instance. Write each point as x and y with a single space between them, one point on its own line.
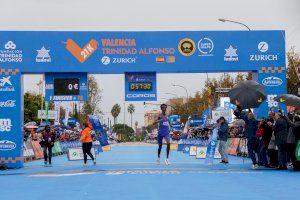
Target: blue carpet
130 172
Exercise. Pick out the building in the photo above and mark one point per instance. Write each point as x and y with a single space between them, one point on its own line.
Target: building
150 117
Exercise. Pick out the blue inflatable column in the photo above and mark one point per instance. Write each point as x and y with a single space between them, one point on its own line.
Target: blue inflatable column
11 118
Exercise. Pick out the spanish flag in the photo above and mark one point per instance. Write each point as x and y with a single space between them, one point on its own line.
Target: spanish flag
160 59
171 59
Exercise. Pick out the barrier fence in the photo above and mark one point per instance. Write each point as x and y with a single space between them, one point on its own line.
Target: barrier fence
32 150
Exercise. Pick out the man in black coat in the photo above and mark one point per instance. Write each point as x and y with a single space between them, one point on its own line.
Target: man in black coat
250 132
280 131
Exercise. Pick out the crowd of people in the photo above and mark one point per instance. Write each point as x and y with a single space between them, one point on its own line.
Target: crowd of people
271 142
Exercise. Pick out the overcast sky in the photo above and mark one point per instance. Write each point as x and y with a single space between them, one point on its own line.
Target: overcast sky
139 15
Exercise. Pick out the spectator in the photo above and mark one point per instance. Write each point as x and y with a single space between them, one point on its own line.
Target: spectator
292 140
48 139
223 136
280 131
250 133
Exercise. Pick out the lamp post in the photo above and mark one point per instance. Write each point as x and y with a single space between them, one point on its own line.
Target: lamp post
175 95
240 23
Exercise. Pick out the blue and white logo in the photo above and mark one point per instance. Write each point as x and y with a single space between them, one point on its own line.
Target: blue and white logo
105 60
205 46
6 85
272 81
6 145
231 55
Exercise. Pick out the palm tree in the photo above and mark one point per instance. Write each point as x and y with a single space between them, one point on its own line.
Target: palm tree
131 110
115 111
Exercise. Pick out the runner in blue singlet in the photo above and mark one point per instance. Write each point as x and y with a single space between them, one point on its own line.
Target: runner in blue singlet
163 132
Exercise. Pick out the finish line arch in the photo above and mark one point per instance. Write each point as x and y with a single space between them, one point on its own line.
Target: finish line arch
27 52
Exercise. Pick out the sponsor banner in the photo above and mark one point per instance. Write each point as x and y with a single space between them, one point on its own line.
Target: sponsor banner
69 144
77 154
6 145
52 114
297 153
201 152
275 84
211 151
206 115
66 87
186 149
11 139
233 145
10 52
120 52
174 147
194 142
37 149
140 86
193 150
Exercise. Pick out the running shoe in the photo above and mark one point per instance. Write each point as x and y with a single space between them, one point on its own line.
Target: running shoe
167 162
254 166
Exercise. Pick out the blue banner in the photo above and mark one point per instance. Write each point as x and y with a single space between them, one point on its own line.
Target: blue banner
11 137
66 87
274 80
210 152
206 115
98 128
159 51
140 86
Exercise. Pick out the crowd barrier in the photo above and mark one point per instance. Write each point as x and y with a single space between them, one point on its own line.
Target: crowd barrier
236 146
32 150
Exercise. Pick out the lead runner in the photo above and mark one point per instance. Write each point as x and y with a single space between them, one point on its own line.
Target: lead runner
163 132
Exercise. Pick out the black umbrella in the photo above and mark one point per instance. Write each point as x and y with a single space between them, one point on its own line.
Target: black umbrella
289 100
249 94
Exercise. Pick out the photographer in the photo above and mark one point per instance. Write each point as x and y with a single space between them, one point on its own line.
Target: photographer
223 136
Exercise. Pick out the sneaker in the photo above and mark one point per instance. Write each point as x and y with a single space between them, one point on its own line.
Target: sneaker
158 161
254 166
45 163
226 162
84 164
222 162
94 162
167 162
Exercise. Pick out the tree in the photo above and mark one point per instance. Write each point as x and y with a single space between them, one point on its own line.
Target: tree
131 110
115 111
32 103
94 99
293 64
124 132
136 125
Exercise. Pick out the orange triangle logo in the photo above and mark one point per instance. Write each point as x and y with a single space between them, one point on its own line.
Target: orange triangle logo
82 54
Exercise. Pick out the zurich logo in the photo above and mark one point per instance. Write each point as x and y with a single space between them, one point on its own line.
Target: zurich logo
6 145
272 81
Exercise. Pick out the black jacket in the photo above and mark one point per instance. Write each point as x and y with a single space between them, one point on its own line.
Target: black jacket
280 131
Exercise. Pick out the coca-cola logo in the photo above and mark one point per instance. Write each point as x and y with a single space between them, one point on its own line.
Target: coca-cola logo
7 104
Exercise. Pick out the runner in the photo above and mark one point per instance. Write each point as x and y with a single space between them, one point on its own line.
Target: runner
48 139
163 132
86 139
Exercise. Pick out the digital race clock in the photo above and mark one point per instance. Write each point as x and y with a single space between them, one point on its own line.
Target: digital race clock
66 86
140 86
